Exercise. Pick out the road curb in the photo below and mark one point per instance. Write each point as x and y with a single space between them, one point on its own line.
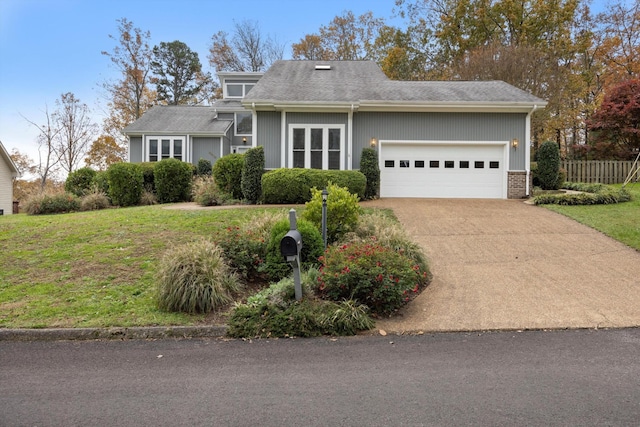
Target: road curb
133 333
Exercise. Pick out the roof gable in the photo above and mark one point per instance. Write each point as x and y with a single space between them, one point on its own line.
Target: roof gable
4 154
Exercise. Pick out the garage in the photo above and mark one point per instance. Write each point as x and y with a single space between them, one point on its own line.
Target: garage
443 169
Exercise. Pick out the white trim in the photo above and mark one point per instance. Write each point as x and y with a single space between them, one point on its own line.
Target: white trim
350 139
221 148
504 144
325 143
283 139
527 152
254 128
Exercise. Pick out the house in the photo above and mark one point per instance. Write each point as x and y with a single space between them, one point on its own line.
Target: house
451 139
8 171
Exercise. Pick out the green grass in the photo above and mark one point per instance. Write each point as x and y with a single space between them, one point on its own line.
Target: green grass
620 221
96 269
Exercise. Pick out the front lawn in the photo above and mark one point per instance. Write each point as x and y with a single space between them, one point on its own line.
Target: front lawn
620 221
96 269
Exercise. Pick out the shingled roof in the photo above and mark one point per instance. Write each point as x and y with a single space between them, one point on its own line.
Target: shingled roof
363 84
179 119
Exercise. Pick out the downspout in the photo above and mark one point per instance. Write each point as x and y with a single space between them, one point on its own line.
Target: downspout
350 139
527 152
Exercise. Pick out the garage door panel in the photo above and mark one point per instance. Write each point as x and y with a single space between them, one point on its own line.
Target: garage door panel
442 171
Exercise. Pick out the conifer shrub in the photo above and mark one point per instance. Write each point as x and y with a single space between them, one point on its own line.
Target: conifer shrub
173 179
195 278
204 167
80 182
370 168
227 171
342 211
548 159
252 171
125 183
276 267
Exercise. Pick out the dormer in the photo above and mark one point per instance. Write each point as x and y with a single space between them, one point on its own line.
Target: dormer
236 85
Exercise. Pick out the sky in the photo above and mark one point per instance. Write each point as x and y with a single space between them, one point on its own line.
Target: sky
50 47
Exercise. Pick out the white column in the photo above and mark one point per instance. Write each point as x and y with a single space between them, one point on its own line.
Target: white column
283 138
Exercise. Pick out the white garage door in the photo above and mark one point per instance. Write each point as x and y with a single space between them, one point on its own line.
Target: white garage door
442 170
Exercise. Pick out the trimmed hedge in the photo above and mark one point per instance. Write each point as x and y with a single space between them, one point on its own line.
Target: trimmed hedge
125 183
283 186
148 169
80 181
591 194
227 171
252 171
173 180
369 167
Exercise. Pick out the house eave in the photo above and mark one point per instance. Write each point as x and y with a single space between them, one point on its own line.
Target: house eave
450 107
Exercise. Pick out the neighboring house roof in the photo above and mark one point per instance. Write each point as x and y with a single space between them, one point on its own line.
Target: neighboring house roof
180 119
15 172
362 85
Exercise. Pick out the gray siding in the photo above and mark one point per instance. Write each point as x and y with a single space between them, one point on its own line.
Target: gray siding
135 149
269 137
442 127
205 148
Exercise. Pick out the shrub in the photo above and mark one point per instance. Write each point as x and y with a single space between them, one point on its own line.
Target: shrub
591 194
244 249
276 266
252 171
534 174
371 170
80 181
227 172
387 232
125 183
294 185
370 274
548 157
342 211
194 278
207 193
173 181
94 201
51 203
148 169
100 184
204 167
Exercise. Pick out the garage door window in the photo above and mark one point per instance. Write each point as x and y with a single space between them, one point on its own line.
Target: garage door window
464 164
434 164
494 165
448 164
405 163
479 165
389 163
419 163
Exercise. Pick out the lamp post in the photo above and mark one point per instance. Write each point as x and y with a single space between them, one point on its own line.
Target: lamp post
325 194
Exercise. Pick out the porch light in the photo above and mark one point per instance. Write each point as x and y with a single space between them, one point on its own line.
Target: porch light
373 142
514 142
244 139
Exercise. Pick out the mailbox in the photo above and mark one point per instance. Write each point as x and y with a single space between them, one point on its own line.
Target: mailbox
291 244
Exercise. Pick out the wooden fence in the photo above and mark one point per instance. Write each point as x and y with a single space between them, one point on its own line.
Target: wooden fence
602 171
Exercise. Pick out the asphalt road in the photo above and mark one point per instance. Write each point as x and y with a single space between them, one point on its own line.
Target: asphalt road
585 377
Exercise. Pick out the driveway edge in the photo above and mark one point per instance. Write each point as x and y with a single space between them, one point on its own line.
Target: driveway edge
133 333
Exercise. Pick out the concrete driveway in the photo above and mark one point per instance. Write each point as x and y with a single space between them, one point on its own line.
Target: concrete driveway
504 264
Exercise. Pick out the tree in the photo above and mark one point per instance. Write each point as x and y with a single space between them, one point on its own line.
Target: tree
104 152
176 71
617 120
130 96
344 38
246 51
75 131
47 157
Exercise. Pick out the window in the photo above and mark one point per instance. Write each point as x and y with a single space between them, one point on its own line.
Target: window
479 165
494 165
164 147
389 163
243 123
238 89
448 164
464 164
317 146
419 163
405 163
434 164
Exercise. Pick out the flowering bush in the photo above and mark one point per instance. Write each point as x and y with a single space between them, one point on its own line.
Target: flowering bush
370 274
245 250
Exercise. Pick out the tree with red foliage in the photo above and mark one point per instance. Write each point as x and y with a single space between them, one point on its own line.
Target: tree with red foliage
617 120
